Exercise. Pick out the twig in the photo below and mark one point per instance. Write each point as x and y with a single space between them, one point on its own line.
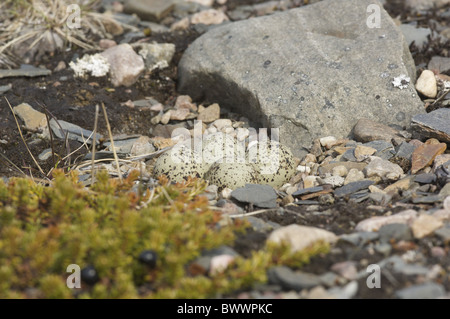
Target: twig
256 212
112 141
93 145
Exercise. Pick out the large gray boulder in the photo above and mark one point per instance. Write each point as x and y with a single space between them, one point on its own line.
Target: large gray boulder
311 71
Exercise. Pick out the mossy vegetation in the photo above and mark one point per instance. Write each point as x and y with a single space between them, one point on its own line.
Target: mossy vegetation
43 229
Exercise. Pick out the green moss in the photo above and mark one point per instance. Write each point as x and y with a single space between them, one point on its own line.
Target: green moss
45 229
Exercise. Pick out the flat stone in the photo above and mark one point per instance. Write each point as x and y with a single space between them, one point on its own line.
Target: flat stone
25 71
423 291
425 154
425 225
301 237
74 132
290 280
375 223
125 65
239 65
32 119
396 232
434 124
209 114
263 196
405 150
352 188
166 130
425 178
367 130
439 63
151 10
428 199
305 191
384 169
349 155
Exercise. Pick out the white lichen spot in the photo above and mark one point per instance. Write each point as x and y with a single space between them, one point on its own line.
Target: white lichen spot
96 65
401 82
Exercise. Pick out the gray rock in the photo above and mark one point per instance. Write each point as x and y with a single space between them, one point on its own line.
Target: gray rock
431 199
443 233
405 150
263 196
425 178
151 10
349 155
74 132
26 71
424 291
240 65
291 280
434 124
414 34
396 232
439 63
352 188
359 238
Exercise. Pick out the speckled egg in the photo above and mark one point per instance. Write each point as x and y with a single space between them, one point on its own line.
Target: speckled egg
274 162
232 175
178 163
222 147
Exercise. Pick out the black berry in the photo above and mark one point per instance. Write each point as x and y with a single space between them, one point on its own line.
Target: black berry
148 257
89 275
